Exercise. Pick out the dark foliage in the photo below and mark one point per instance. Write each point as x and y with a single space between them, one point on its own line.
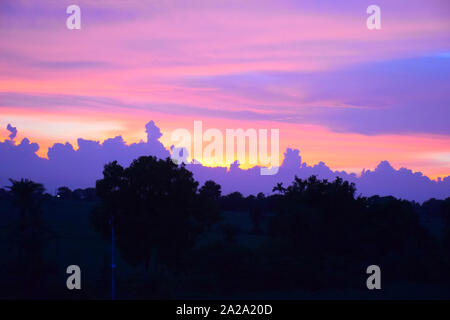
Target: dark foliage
88 194
28 235
311 236
155 208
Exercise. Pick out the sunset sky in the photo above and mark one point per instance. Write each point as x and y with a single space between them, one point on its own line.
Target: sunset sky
338 92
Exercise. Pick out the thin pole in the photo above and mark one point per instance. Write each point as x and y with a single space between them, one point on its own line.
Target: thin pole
113 262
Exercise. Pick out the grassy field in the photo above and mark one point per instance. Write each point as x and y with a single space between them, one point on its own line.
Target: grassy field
76 242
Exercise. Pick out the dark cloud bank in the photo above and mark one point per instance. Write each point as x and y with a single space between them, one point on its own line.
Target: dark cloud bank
81 168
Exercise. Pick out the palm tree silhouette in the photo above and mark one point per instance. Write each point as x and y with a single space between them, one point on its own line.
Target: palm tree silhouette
31 234
26 195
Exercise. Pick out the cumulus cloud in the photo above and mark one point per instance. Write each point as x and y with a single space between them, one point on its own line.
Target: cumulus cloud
82 167
153 132
13 131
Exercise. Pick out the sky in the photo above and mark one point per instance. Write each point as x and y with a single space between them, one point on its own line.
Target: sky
338 92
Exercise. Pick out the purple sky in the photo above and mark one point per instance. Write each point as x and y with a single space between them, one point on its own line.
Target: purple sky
340 93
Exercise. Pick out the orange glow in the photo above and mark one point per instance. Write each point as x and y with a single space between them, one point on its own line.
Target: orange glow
314 142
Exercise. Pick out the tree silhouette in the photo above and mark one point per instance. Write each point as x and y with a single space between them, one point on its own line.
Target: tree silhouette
323 223
64 193
211 190
210 212
30 232
26 195
155 206
279 188
233 202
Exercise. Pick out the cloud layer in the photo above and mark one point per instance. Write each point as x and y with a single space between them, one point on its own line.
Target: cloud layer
80 168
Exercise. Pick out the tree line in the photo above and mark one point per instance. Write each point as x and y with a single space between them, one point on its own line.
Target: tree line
311 235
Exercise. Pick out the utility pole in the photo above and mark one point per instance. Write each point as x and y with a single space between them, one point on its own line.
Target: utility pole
113 261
